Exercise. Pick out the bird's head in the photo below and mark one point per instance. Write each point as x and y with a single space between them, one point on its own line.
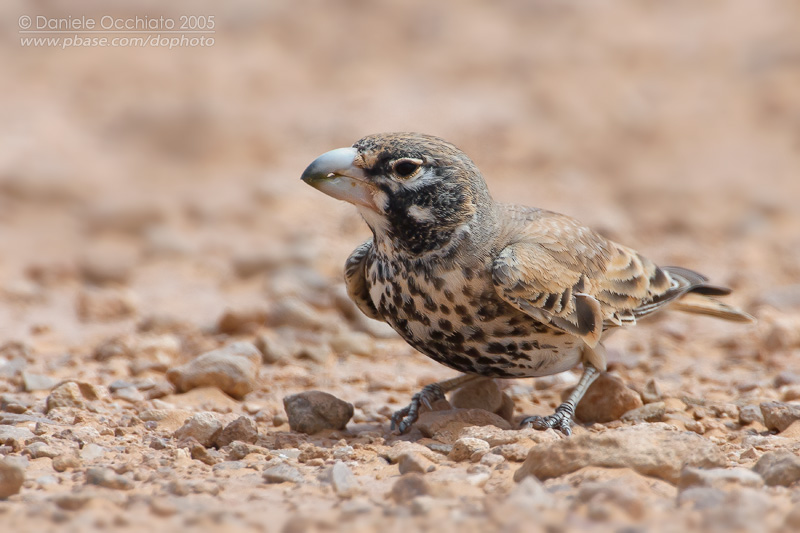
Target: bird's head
416 190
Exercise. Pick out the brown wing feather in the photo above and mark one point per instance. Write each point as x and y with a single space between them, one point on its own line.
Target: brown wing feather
564 274
355 279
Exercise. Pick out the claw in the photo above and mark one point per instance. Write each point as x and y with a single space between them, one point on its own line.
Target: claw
560 420
404 418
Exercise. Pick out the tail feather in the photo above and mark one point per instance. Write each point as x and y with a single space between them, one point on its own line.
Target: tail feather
699 304
698 298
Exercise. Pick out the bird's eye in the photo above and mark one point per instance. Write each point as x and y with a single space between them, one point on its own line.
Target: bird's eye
406 167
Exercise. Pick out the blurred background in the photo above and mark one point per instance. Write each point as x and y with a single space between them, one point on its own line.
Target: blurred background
151 210
173 174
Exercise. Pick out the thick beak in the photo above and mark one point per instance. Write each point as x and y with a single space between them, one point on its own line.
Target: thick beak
335 174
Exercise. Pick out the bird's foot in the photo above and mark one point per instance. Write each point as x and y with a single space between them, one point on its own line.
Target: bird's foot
560 420
405 417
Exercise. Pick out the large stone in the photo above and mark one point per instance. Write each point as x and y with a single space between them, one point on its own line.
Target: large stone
607 399
778 468
12 476
484 394
233 369
313 411
656 450
778 415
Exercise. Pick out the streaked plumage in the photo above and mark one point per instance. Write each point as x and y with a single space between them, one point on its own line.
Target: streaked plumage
486 288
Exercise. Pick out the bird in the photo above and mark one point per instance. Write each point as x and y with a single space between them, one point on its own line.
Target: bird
490 289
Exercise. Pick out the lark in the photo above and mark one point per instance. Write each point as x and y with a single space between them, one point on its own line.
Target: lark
486 288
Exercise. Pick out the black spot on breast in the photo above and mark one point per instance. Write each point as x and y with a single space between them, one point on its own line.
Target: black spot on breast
412 287
495 347
461 310
449 295
444 309
477 335
430 305
445 324
438 283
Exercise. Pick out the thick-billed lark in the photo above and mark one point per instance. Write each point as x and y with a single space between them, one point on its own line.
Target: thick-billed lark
490 289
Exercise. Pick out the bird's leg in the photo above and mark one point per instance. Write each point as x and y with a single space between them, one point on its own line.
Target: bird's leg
562 418
405 417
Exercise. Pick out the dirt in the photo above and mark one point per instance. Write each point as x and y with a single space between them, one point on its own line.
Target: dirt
151 211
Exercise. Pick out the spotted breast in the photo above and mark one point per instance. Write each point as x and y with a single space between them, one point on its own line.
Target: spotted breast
448 308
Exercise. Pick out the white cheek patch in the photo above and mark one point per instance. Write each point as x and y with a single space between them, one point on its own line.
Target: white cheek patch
381 200
421 214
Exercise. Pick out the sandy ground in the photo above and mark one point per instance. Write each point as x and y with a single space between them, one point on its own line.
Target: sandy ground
146 193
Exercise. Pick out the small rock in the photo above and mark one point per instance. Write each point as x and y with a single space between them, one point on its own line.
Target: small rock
607 399
313 411
409 486
649 412
344 482
12 476
512 452
204 455
656 450
318 353
465 447
293 312
779 416
168 420
778 468
718 478
129 394
243 429
651 392
414 462
106 477
480 394
92 452
37 450
401 447
72 501
204 427
14 433
233 369
67 394
790 393
272 350
282 473
36 382
241 321
749 414
66 461
445 426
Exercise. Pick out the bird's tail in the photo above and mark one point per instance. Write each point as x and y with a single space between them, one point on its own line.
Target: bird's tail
699 298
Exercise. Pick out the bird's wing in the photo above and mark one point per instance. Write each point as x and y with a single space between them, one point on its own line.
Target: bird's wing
355 279
564 274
